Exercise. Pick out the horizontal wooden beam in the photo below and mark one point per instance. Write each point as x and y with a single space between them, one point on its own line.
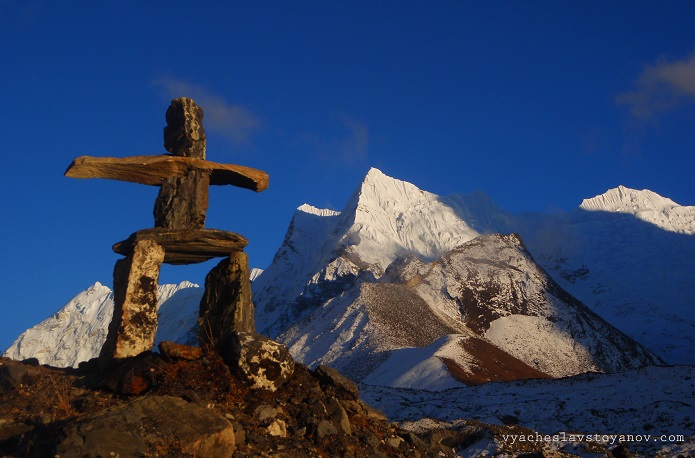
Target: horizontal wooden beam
186 246
153 170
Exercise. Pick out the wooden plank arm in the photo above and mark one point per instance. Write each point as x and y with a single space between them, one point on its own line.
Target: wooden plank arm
153 170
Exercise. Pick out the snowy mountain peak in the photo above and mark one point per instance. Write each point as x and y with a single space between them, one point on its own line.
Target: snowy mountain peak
96 288
377 187
311 210
77 331
627 200
645 205
387 218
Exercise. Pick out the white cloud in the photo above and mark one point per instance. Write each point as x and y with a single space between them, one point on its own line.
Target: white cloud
661 87
354 148
235 122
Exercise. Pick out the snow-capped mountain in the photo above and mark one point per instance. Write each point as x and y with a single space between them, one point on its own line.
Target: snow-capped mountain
636 274
482 311
645 205
405 289
495 288
385 218
77 331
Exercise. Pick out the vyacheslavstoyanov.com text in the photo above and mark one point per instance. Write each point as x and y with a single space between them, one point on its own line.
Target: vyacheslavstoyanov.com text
610 439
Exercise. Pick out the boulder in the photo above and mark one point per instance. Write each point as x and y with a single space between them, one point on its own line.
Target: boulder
339 416
226 303
12 374
254 358
325 428
278 428
172 350
154 423
345 388
130 376
133 326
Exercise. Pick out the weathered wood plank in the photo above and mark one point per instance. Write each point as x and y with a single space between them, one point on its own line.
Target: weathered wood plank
153 170
186 246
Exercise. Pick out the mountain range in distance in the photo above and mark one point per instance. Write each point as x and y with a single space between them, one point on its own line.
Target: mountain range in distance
624 258
424 300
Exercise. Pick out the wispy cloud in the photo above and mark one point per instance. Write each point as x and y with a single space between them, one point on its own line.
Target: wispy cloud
235 122
661 87
347 143
354 147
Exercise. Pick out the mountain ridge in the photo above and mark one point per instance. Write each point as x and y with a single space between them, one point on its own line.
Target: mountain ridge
319 250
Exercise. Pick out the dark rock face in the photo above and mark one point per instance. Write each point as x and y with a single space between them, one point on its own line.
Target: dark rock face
132 429
184 134
261 362
183 201
133 327
226 303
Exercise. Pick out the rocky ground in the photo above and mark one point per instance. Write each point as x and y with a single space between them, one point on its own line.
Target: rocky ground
193 405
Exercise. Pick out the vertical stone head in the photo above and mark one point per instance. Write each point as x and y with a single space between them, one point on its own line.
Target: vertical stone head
184 134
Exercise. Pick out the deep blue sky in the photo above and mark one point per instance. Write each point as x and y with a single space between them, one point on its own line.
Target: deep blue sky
539 104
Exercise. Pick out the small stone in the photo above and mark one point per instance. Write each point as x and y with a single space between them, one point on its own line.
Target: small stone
509 420
415 441
31 362
12 375
239 433
395 442
265 412
8 432
325 428
278 428
338 416
134 385
173 350
347 389
621 451
370 439
258 360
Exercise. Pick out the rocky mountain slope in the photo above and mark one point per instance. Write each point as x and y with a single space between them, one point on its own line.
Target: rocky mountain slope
154 405
633 273
485 297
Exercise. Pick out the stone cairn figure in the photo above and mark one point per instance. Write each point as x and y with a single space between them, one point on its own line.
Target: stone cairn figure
179 237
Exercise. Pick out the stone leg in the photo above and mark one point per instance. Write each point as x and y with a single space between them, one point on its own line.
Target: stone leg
226 304
134 324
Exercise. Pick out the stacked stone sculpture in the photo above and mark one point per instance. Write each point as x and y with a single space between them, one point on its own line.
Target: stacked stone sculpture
179 237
